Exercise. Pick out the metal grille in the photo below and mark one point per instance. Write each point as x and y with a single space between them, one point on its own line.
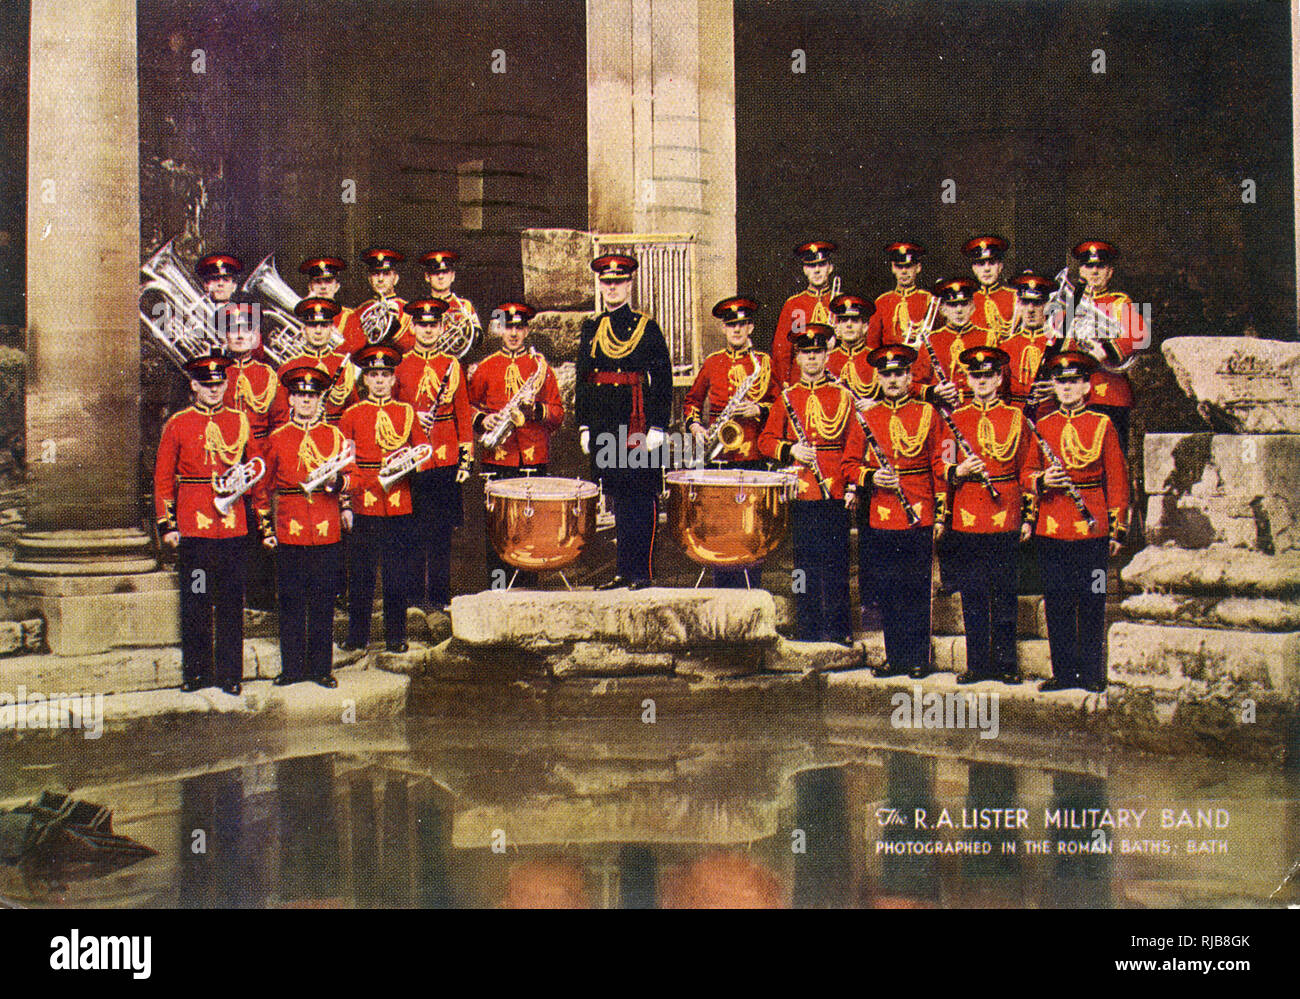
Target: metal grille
665 288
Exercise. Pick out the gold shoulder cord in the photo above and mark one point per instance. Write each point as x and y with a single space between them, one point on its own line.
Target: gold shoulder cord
216 448
244 391
827 428
338 395
987 436
909 445
759 388
309 456
386 435
610 345
1073 451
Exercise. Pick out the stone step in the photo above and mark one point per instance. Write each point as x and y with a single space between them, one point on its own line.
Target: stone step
948 654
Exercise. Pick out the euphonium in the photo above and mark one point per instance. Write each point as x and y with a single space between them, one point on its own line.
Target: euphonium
236 481
286 339
187 330
329 468
498 436
403 462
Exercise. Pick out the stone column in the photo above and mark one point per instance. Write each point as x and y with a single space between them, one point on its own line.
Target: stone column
661 129
1295 139
84 562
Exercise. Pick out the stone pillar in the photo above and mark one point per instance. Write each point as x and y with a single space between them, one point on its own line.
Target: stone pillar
84 561
1295 139
661 130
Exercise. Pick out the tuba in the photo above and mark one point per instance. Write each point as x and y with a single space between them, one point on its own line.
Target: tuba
402 462
283 338
236 481
186 328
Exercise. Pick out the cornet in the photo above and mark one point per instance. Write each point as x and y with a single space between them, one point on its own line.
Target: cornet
403 462
236 481
328 469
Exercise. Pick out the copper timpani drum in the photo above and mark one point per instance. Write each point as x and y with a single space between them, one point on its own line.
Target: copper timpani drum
540 523
729 517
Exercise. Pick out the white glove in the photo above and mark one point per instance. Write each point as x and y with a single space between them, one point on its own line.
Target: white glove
654 439
584 440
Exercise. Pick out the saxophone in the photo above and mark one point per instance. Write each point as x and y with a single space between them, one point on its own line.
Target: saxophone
495 438
725 434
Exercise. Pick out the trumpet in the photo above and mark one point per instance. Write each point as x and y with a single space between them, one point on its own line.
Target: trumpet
329 468
402 462
495 438
236 481
187 326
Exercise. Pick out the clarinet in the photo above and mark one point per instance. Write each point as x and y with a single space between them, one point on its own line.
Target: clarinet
797 424
913 519
967 450
1054 461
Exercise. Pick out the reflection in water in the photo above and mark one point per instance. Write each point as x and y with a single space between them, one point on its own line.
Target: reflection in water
1081 877
998 873
822 871
910 878
645 824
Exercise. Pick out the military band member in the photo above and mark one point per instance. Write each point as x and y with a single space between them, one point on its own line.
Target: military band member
511 375
721 376
812 305
383 525
440 272
305 529
900 311
431 380
623 401
848 361
323 282
954 334
1110 391
380 316
986 530
318 317
217 273
910 433
1028 342
1072 552
251 385
995 303
199 444
819 516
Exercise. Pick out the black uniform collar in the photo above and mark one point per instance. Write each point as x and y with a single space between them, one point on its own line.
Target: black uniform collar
822 379
736 353
1075 411
209 410
898 403
307 427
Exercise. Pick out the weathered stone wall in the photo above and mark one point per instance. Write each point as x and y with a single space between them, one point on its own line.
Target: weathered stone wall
1212 631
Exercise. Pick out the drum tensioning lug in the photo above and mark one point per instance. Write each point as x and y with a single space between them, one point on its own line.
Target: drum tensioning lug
699 579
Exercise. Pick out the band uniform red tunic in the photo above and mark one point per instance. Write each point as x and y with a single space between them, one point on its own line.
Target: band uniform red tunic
998 434
292 453
253 388
910 433
1088 446
808 306
949 342
197 445
341 394
378 431
420 378
826 410
493 382
898 316
720 377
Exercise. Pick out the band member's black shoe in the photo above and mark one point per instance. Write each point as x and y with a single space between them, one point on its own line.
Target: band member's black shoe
637 584
920 672
233 689
888 670
283 680
347 646
399 647
1047 686
1096 687
616 583
1011 676
190 686
326 681
969 677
